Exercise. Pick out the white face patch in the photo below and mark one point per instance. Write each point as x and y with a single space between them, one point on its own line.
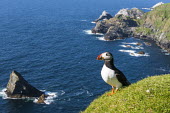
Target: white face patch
107 56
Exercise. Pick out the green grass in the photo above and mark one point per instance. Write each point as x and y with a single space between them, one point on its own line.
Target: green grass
150 95
145 31
159 18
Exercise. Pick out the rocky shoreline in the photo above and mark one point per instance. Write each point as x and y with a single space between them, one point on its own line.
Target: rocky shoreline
136 23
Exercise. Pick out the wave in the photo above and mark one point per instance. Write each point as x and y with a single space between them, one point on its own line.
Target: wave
89 32
133 53
165 52
132 47
93 22
101 38
3 94
132 43
147 8
48 100
81 92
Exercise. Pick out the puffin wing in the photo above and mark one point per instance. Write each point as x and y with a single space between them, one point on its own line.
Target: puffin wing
121 78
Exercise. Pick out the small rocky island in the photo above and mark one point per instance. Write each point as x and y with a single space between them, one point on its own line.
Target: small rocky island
153 25
18 87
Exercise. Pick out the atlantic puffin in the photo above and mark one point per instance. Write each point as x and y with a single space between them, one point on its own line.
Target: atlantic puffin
110 74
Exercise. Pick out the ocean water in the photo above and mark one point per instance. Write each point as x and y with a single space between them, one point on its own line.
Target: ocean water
50 44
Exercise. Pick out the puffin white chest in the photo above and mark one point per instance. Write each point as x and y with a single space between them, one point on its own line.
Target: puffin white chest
109 76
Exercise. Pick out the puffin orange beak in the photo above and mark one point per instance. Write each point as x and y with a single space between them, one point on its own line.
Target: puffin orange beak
99 57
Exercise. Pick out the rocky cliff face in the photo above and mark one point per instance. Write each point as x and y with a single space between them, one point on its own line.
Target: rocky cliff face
132 13
120 26
104 16
18 87
154 25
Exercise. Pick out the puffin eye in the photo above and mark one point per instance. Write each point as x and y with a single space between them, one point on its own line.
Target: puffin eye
107 54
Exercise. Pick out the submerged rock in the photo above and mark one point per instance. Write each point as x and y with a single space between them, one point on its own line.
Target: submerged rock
141 52
18 87
41 99
147 43
139 44
105 15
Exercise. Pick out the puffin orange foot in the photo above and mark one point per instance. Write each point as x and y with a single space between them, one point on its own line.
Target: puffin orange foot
113 92
110 94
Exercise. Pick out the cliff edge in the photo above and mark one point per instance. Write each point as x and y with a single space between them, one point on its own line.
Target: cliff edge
150 95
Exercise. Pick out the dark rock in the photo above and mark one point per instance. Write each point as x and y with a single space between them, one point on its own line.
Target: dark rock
18 87
105 15
118 27
101 27
139 44
41 99
141 52
128 46
134 22
147 43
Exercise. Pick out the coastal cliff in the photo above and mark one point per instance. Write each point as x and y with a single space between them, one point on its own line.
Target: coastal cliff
150 95
153 25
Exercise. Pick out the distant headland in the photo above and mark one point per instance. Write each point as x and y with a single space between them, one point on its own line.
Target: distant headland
152 25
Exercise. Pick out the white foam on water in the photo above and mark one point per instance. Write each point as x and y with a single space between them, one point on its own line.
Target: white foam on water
93 22
3 94
99 34
138 55
133 53
48 100
83 92
147 8
127 51
101 38
167 54
51 96
132 47
89 32
132 43
164 51
125 46
137 47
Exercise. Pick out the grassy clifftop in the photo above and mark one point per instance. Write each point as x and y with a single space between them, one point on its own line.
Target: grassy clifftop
150 95
156 22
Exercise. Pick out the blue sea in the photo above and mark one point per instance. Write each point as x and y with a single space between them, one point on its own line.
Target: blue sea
49 42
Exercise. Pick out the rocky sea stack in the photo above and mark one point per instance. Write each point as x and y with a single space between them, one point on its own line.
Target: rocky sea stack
119 27
18 87
104 16
153 25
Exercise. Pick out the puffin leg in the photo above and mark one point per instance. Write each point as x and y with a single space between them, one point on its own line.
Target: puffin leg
116 90
112 92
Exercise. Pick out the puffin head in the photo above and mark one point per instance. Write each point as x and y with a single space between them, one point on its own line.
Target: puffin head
107 56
